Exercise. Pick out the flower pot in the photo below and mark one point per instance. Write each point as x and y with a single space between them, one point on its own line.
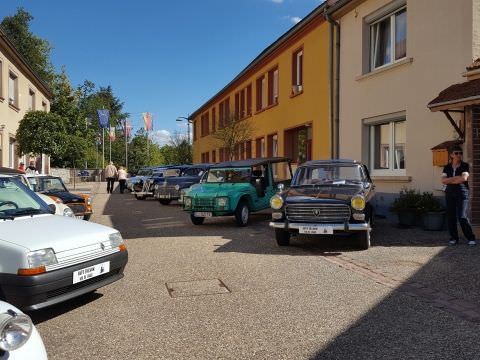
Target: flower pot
434 220
407 217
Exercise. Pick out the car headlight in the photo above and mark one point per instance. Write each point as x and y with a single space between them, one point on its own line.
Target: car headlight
276 202
177 187
116 239
42 257
187 201
15 330
88 200
358 202
222 202
68 212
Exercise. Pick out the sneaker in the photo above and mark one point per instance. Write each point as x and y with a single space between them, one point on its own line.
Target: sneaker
453 242
472 243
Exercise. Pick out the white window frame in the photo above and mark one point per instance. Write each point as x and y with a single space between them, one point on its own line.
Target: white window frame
31 99
13 100
391 171
392 17
298 74
275 86
264 93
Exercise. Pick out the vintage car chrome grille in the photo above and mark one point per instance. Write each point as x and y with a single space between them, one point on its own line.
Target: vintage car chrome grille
319 213
168 190
200 204
77 208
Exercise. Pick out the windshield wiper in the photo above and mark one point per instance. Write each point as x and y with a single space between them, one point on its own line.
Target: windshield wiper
29 211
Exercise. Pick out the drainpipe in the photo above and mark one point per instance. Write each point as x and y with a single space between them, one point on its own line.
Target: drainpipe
334 84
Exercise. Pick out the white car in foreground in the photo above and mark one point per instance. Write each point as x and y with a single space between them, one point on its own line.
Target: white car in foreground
19 339
46 259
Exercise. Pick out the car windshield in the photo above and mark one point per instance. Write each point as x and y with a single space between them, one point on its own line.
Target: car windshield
171 172
47 184
192 172
144 172
17 200
229 175
327 175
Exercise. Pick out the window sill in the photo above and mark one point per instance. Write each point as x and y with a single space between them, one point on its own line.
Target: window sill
391 178
13 107
266 108
295 95
405 61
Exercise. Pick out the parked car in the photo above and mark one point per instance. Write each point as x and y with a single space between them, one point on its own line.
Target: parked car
237 188
325 198
57 204
174 187
145 189
53 186
19 339
47 259
139 177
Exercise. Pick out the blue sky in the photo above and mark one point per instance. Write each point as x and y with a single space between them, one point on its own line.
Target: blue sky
165 57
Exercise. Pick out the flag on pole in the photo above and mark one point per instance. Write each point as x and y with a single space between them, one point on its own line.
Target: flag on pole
128 129
148 121
111 133
103 118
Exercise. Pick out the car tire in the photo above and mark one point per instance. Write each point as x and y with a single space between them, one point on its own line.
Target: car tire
87 217
282 237
196 220
242 214
139 197
364 238
165 201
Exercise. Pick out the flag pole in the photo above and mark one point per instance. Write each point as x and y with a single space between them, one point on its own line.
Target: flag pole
103 148
126 145
110 138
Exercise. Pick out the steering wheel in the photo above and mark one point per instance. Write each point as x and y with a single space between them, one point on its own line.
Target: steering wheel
9 203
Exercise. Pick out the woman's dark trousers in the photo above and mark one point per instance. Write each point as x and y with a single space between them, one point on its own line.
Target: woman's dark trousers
457 208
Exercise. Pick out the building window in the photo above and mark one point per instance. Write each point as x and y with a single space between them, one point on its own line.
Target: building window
273 87
297 72
1 79
224 112
31 99
298 144
12 154
214 120
13 89
261 93
260 147
44 106
388 39
214 156
249 100
387 146
205 124
194 130
237 105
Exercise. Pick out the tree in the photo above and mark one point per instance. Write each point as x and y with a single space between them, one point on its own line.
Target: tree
41 133
34 49
233 133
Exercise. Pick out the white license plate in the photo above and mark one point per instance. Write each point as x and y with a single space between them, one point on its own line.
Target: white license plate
79 217
315 229
164 196
202 214
91 272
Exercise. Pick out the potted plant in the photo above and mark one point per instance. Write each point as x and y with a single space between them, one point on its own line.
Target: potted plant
406 206
432 211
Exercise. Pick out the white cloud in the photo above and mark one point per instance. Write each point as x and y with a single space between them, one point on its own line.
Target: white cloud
295 19
161 137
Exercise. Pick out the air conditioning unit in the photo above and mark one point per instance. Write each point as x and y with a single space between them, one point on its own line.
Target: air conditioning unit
297 89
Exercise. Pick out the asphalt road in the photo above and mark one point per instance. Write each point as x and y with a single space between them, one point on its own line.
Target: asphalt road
221 292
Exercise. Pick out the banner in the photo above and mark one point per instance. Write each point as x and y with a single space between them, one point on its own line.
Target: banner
148 121
103 118
111 133
128 129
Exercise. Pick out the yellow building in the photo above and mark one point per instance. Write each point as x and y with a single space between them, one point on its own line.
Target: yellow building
283 93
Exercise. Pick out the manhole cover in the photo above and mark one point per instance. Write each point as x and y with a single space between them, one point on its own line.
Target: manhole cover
196 288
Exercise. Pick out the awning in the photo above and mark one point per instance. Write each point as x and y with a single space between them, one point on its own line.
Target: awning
458 95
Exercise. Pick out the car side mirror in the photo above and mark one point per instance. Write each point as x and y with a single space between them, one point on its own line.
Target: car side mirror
53 209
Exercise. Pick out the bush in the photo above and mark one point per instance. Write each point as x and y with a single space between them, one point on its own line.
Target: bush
408 200
429 203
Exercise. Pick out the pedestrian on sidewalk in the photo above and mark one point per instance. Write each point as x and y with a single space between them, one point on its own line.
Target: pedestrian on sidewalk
122 178
455 177
110 174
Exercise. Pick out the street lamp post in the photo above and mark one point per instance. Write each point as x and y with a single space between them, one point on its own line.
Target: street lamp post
189 121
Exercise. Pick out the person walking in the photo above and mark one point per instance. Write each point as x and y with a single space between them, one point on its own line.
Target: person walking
31 169
455 177
122 178
110 174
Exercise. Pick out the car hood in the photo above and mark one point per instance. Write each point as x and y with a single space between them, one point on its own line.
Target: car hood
67 197
218 189
335 192
50 231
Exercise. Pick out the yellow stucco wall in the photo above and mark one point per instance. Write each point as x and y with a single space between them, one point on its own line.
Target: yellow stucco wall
310 107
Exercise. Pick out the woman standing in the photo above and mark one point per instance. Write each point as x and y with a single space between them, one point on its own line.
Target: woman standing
455 177
122 178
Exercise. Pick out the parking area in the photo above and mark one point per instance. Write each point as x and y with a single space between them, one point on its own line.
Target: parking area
219 291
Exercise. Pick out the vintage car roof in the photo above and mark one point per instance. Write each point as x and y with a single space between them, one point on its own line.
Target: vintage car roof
250 162
331 161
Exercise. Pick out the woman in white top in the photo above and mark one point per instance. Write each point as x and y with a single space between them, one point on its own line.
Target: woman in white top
122 178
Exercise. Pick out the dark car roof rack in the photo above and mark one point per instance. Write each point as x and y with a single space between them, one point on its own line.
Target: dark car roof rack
250 162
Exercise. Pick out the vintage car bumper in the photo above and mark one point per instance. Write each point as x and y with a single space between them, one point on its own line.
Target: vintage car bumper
39 291
336 227
143 193
167 193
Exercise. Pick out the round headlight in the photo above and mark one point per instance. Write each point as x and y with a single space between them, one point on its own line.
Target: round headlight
358 202
222 201
15 330
188 202
177 187
68 212
276 202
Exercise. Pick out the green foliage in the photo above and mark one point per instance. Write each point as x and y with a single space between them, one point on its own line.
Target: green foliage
233 133
34 49
177 151
429 203
408 200
40 132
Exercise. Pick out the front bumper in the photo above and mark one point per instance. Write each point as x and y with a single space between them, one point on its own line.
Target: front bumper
169 194
39 291
336 227
143 193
